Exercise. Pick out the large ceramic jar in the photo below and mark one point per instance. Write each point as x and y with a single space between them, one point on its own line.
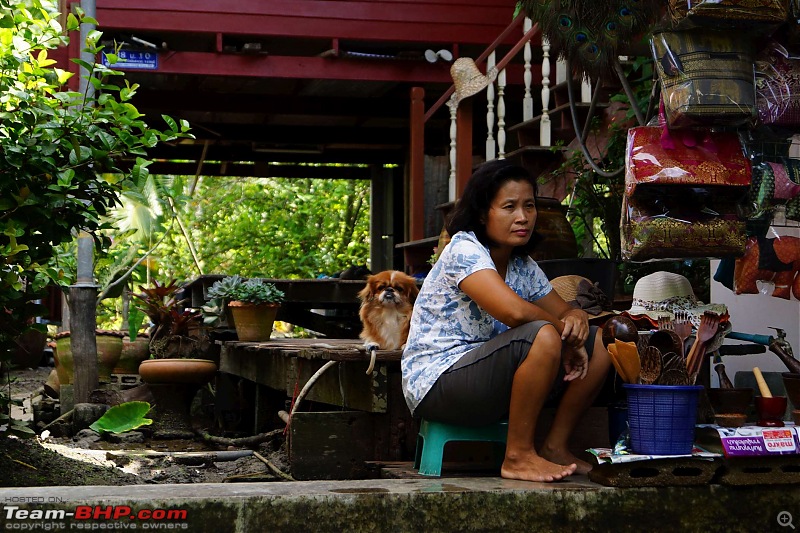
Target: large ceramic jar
559 240
109 349
133 353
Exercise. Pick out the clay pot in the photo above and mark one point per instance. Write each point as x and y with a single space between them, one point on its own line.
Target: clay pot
558 238
174 384
52 387
198 371
109 349
791 382
730 401
253 322
132 355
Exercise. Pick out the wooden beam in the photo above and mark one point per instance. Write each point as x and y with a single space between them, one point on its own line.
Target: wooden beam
257 170
384 21
416 167
463 145
297 67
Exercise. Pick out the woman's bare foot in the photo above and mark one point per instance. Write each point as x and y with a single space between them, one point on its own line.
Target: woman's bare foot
531 467
564 457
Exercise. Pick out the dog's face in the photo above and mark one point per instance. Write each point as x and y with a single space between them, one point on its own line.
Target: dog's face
386 304
389 288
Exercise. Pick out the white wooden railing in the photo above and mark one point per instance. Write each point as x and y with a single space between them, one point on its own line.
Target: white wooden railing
496 109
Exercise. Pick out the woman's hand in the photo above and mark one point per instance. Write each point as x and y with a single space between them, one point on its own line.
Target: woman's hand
576 363
576 328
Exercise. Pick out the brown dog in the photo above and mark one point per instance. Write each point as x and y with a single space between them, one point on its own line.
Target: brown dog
386 304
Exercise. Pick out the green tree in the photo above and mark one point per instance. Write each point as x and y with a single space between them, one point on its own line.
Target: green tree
276 227
60 152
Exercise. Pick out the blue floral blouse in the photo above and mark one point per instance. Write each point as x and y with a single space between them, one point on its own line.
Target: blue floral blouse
446 323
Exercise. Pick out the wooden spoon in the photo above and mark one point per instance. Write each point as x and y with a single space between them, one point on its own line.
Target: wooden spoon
709 324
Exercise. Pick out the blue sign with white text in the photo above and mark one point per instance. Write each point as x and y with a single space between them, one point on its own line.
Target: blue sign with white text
133 60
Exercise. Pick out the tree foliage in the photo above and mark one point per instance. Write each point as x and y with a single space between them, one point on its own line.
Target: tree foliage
273 228
55 147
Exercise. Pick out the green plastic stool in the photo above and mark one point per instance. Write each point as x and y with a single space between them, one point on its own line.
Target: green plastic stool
434 435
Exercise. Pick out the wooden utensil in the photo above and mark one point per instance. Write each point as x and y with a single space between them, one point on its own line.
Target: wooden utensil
762 385
683 328
709 324
651 365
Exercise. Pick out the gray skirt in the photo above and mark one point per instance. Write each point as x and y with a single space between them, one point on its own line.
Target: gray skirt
476 390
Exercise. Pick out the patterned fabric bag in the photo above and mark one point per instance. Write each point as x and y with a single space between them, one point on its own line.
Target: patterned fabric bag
778 86
729 13
685 157
707 78
653 230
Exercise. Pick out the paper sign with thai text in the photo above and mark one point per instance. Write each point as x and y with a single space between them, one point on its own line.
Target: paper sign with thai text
752 441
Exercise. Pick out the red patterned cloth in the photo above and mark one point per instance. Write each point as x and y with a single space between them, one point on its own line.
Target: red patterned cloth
706 159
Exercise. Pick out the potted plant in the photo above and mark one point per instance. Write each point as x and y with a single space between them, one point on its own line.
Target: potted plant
177 367
219 295
254 305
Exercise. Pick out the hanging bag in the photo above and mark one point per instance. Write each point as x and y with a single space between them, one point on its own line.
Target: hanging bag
751 14
707 78
682 189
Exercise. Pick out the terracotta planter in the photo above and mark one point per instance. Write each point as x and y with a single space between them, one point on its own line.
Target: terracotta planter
133 353
196 371
109 349
253 322
174 384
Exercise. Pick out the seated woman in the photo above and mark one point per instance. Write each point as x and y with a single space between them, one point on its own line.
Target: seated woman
489 337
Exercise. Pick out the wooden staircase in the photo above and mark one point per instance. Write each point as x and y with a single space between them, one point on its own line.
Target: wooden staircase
526 146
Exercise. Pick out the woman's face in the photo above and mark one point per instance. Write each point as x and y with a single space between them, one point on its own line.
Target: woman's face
512 215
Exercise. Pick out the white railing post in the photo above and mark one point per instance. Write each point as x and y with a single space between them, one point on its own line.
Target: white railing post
544 122
527 99
586 89
451 183
490 142
501 115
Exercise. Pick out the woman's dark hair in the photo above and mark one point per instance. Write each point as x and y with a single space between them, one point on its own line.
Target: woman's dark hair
477 197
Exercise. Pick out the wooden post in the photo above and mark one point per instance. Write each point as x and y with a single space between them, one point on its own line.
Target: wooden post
83 322
463 145
416 198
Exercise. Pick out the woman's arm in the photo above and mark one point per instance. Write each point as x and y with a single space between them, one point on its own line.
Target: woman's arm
490 291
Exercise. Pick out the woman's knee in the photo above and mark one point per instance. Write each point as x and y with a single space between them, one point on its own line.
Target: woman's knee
547 343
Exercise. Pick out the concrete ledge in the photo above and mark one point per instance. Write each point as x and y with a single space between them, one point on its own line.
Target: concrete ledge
436 504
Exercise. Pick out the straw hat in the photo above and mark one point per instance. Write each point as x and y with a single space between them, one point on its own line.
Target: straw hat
581 293
662 293
468 79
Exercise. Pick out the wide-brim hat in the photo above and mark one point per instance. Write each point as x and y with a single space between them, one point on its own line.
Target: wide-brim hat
581 293
661 294
468 79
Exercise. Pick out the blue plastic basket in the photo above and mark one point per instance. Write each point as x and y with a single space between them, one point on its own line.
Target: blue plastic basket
662 418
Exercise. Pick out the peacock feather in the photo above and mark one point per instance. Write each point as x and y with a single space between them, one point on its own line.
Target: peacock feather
589 33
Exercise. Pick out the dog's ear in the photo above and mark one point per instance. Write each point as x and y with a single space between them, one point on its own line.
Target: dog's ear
366 293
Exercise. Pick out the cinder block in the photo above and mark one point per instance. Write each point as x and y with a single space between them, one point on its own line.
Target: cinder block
782 470
656 473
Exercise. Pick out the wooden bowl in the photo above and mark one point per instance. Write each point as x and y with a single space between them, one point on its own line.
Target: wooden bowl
791 382
730 420
730 401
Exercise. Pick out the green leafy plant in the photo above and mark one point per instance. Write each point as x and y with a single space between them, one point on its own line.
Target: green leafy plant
170 333
257 291
66 155
123 417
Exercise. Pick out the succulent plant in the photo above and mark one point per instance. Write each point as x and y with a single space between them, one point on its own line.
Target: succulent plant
257 291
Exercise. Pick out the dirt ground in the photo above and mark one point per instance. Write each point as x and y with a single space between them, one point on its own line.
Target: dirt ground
86 459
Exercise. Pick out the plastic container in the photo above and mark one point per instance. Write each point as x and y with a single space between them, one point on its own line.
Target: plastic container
662 418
